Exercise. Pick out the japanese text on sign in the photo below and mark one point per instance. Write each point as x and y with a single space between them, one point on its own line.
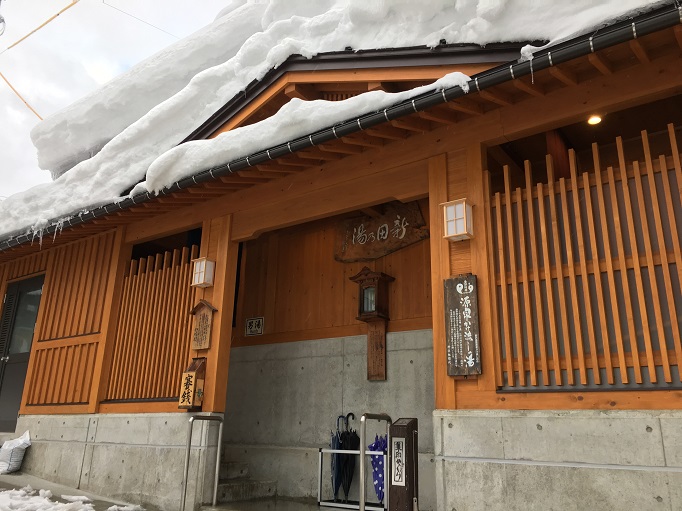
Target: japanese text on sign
462 329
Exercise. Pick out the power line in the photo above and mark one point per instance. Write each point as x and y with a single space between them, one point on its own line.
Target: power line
139 19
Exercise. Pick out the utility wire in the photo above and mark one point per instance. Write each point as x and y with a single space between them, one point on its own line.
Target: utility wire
139 19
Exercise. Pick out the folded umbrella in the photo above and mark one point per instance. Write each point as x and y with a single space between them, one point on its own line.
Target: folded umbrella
380 444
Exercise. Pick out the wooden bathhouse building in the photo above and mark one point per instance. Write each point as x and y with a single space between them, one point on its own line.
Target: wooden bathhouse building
526 303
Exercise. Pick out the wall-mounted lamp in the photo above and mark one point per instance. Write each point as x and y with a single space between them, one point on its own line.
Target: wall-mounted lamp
202 273
373 310
457 220
593 120
373 298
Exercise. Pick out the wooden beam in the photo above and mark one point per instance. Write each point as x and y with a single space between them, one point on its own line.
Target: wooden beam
440 115
563 75
407 182
501 157
557 149
275 167
374 211
207 192
600 63
466 107
341 148
529 88
639 51
412 123
388 132
315 153
301 91
255 172
294 161
223 250
496 96
444 385
678 35
363 139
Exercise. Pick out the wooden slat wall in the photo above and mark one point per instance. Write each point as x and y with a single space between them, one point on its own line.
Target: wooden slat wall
75 286
67 333
23 267
291 279
588 272
152 340
64 373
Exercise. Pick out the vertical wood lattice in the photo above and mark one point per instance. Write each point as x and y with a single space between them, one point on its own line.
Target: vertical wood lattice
152 339
75 286
588 273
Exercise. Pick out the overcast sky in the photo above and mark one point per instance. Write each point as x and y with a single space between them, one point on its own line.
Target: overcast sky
86 46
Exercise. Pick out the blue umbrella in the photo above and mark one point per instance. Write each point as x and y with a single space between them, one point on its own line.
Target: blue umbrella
380 444
337 467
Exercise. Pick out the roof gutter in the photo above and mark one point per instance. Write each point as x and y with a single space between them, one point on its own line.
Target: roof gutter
645 24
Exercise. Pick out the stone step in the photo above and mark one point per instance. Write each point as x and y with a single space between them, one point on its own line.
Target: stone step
245 489
230 470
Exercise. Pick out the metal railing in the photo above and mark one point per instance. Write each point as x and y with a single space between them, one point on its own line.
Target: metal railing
188 448
363 447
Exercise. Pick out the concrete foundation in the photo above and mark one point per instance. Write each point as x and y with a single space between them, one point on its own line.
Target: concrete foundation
137 458
564 460
283 401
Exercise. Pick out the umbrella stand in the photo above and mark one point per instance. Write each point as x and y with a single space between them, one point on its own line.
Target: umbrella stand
349 441
336 458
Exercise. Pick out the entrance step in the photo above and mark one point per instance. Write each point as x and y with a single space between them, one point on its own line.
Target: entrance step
245 489
230 470
280 504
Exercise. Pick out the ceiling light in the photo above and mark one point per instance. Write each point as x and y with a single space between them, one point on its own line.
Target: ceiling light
593 120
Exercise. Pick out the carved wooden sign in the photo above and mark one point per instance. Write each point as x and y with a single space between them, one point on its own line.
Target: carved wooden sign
192 385
203 322
461 326
394 226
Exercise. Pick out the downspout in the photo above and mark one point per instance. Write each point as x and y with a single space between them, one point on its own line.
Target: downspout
661 19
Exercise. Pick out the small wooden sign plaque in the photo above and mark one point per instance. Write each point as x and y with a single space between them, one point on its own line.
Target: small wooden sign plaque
461 326
192 385
203 322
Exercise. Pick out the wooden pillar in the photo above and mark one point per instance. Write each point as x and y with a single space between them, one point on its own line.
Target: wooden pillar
110 308
444 385
476 166
217 245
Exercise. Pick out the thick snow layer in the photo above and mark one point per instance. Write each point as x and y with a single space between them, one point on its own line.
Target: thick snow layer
262 35
70 136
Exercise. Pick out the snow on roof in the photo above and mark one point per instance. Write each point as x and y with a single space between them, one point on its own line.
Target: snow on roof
143 115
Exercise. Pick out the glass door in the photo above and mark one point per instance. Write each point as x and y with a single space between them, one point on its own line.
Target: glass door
18 320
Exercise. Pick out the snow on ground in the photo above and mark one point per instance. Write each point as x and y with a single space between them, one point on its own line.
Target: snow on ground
28 499
262 35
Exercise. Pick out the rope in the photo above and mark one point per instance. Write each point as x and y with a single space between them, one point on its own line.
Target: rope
20 96
74 2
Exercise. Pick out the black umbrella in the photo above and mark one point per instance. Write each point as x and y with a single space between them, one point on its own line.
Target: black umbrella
349 441
336 457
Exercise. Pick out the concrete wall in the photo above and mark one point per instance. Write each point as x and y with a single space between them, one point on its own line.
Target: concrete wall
283 401
567 460
136 458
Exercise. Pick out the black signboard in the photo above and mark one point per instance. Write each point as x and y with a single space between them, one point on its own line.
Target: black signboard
461 326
